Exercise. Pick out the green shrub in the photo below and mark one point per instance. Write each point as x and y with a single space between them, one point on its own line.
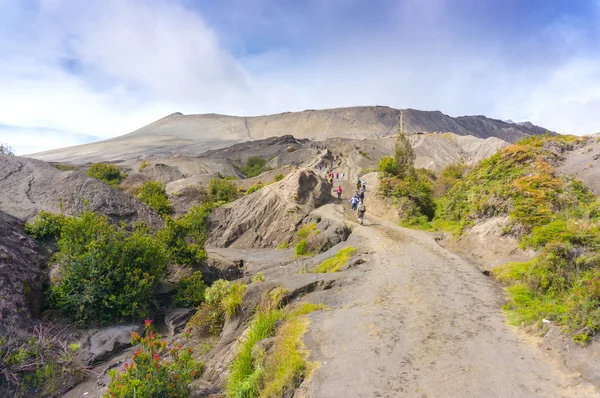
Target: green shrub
189 292
259 277
279 177
105 273
335 263
412 195
283 245
154 194
254 188
155 370
45 225
144 164
254 166
222 299
108 173
302 248
387 167
232 302
184 237
222 190
64 166
364 155
307 230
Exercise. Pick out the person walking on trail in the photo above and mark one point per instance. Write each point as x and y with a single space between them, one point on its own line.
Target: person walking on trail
342 175
364 185
361 209
339 192
337 176
354 202
361 196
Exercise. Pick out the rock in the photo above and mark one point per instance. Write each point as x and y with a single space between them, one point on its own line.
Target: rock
30 185
270 215
261 350
176 319
109 342
20 276
201 388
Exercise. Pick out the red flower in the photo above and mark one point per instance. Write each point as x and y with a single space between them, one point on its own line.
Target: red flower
193 373
147 323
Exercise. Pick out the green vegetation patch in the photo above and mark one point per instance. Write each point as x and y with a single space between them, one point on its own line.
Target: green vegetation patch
189 291
221 300
254 188
45 226
64 166
279 177
555 215
155 370
108 173
154 194
222 190
256 374
335 263
144 164
105 273
254 166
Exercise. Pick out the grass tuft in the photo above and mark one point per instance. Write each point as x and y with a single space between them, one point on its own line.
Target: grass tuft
335 263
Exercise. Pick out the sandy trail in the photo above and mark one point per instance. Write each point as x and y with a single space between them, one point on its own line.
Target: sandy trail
422 322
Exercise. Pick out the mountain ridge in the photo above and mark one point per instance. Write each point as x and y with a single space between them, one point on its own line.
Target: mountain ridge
198 133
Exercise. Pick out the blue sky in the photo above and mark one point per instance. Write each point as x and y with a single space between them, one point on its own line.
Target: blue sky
73 72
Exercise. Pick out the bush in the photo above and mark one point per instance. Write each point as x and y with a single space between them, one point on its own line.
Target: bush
45 226
412 195
105 274
254 188
254 166
307 230
387 167
108 173
232 302
222 190
222 299
279 177
258 278
64 166
154 194
184 237
302 248
189 292
144 164
154 370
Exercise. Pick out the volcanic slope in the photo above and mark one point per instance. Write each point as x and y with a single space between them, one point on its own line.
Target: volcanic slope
179 134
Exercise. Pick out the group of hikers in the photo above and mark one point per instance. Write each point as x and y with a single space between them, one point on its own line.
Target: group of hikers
336 175
358 200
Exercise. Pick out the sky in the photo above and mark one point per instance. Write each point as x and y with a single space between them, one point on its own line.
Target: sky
74 71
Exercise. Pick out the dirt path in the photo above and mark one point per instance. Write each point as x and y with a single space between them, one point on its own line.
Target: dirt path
422 322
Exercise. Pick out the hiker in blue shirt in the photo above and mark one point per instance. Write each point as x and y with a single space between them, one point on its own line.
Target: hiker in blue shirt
354 202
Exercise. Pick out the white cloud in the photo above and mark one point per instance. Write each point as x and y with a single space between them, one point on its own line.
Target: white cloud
134 61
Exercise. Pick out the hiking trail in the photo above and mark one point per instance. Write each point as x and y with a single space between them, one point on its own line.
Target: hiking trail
416 320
